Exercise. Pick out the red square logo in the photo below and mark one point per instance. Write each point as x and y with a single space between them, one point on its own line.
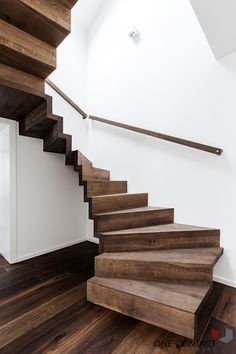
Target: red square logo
215 333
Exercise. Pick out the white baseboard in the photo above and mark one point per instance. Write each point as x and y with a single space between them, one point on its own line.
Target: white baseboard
49 250
93 239
224 281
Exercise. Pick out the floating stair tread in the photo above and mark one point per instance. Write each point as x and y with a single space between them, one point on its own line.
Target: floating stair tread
165 228
180 296
135 210
197 256
115 195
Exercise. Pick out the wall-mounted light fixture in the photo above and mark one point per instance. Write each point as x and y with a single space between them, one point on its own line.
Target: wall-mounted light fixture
134 33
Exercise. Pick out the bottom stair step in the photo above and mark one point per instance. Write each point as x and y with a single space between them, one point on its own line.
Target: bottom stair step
174 307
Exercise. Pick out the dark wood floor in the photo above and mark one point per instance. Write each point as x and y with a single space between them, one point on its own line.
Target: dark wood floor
43 309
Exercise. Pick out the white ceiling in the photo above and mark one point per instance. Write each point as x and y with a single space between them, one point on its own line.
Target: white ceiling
87 10
218 21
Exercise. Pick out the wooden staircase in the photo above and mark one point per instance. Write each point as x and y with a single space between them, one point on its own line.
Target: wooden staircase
149 267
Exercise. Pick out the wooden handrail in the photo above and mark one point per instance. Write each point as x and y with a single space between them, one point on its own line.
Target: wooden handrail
173 139
66 98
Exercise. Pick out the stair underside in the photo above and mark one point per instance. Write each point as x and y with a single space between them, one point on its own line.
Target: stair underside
171 306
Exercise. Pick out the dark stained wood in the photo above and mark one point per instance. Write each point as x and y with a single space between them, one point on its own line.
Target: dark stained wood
89 173
115 202
94 188
159 237
20 92
148 339
47 20
66 98
168 306
129 218
16 104
206 310
21 81
25 52
170 265
226 308
68 3
207 148
50 316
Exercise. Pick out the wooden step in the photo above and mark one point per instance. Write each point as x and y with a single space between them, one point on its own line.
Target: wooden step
173 307
20 92
94 188
68 3
169 265
129 218
38 123
115 202
89 173
48 20
159 237
56 141
77 159
25 52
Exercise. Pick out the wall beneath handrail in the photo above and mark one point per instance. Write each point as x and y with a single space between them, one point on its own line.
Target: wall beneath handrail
167 81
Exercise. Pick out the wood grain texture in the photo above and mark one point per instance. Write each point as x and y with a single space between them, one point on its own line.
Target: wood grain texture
25 52
47 20
83 327
89 173
21 81
129 218
148 339
94 188
115 202
159 237
142 308
171 265
226 309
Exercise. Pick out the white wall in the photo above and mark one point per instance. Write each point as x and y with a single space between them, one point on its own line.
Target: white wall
217 18
51 213
70 74
41 203
7 190
168 81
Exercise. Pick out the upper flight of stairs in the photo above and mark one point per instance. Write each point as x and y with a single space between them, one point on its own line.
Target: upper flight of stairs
149 267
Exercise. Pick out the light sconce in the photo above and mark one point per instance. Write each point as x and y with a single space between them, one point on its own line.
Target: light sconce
134 34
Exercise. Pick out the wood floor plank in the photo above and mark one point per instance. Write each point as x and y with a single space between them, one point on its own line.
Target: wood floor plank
226 307
147 339
33 318
35 296
102 335
55 331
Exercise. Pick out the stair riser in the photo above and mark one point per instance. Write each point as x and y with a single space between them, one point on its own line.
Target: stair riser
160 315
152 271
116 203
17 50
105 223
88 173
104 188
49 22
150 242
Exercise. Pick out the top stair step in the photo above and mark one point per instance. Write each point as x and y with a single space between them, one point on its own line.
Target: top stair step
48 20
